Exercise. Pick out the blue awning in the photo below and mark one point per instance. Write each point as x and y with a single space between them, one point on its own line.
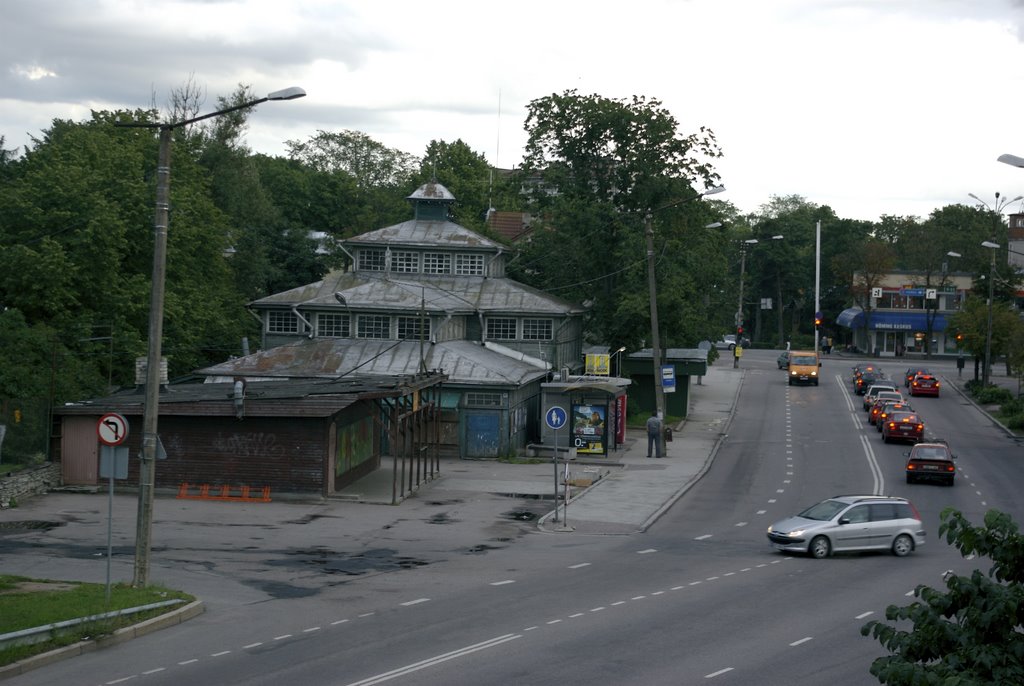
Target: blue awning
853 318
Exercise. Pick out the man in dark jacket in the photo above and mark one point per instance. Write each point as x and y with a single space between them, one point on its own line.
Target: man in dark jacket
654 435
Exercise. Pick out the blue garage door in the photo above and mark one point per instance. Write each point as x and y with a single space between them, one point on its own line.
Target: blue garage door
483 433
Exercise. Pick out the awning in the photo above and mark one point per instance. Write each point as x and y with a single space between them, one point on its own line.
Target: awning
887 320
851 317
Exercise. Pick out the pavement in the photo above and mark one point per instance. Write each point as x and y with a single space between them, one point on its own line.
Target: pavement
627 491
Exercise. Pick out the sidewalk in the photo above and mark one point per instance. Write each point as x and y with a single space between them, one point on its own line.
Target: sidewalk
629 491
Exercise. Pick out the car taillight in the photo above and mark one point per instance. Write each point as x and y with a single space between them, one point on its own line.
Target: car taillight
911 467
936 384
950 468
917 515
920 427
892 425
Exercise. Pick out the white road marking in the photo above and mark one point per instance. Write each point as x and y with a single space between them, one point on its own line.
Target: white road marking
596 609
415 602
340 621
718 673
711 578
802 640
578 614
646 551
153 671
701 538
772 500
677 588
638 597
862 615
502 583
311 629
760 512
618 602
281 638
554 621
367 614
657 592
741 523
530 628
438 659
694 583
223 652
188 662
257 644
580 565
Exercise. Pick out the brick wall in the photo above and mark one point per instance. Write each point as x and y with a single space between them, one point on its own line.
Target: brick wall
19 485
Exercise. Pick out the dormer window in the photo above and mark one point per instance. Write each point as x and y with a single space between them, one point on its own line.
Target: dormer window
282 322
469 265
405 261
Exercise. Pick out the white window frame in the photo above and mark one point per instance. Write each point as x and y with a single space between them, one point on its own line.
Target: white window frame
469 264
493 323
282 321
373 324
536 329
335 322
437 263
371 259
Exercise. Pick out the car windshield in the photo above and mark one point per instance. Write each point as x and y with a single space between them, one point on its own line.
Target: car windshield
930 452
823 511
802 359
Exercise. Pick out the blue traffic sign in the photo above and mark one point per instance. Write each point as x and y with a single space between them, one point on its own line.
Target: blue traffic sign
555 417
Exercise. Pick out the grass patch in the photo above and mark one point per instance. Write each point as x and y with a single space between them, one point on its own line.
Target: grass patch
28 603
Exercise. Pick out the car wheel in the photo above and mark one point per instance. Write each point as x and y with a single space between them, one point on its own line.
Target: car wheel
902 546
791 382
815 382
885 439
820 547
910 479
950 482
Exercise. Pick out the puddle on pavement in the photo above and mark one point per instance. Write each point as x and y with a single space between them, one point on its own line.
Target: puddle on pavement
25 526
350 564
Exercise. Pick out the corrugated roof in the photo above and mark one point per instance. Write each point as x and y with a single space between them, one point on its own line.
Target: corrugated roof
463 362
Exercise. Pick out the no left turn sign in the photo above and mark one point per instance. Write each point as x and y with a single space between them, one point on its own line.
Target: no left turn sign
112 429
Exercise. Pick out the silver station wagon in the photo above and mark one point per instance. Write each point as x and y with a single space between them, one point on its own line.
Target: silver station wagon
851 523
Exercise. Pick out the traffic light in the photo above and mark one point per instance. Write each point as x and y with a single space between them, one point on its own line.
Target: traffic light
817 321
959 337
739 330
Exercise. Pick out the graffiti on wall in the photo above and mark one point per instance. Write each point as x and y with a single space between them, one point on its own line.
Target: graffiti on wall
355 445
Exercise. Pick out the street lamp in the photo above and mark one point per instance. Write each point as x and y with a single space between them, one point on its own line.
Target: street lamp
659 388
151 411
1011 160
985 371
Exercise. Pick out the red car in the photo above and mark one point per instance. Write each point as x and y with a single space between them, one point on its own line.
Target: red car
931 462
903 426
887 409
924 384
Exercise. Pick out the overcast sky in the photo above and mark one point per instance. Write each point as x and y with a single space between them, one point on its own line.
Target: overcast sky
873 107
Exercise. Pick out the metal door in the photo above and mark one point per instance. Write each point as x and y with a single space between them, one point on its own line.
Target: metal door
483 433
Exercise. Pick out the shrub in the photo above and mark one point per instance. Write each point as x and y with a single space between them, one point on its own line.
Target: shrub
1012 407
1016 422
994 395
973 386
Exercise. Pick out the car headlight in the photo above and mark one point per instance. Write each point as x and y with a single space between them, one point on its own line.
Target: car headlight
796 534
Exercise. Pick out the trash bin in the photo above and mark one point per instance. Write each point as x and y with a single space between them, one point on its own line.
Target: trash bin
668 434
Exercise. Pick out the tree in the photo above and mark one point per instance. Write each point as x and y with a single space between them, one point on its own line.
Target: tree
865 266
594 168
469 178
969 634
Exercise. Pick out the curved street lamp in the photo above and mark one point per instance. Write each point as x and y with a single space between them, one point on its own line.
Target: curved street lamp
151 410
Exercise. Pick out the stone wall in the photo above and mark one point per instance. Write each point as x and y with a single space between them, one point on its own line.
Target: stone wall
19 485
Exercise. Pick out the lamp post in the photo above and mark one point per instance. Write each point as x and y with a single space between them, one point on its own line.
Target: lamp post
618 371
151 410
659 389
985 370
739 305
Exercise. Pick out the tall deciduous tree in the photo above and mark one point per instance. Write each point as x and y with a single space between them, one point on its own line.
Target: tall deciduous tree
970 633
594 168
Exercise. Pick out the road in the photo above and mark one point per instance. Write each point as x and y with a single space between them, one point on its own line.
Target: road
699 598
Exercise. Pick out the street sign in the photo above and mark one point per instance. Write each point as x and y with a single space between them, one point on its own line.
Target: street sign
668 378
555 417
112 429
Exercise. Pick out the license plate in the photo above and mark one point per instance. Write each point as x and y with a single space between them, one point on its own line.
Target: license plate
906 428
931 467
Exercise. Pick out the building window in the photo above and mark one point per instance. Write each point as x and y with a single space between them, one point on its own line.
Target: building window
409 327
332 325
371 260
405 261
483 400
501 328
373 326
282 322
537 329
437 263
469 265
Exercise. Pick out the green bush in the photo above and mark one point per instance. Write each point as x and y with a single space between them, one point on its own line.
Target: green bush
994 395
1012 407
973 386
1016 422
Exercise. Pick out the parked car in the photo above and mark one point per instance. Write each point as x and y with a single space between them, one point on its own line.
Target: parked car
728 342
931 462
911 373
887 410
924 384
848 523
903 426
783 359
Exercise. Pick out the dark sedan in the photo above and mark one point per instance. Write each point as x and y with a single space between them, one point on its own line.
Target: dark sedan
931 462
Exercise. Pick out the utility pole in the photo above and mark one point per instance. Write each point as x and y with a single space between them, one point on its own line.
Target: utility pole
659 389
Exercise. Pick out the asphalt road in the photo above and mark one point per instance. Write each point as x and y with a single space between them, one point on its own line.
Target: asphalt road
699 598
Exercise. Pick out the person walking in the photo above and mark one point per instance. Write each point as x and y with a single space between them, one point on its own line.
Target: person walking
654 435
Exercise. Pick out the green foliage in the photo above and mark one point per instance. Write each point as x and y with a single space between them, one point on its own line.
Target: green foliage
1011 407
1015 421
968 634
993 395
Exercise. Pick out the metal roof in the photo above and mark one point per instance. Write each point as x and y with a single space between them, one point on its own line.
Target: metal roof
436 234
441 294
288 398
463 362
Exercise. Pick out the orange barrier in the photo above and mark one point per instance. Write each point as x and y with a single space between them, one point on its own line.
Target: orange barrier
226 492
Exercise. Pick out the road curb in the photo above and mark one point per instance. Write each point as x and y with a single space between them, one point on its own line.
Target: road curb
127 633
963 394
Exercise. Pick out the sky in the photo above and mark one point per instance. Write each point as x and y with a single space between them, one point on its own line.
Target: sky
872 107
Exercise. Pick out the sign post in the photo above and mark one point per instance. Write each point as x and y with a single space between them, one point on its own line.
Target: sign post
555 418
112 430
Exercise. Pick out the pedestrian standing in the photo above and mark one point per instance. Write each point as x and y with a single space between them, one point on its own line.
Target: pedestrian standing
654 435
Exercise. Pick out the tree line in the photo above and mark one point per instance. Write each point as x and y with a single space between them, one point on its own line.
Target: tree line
76 215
